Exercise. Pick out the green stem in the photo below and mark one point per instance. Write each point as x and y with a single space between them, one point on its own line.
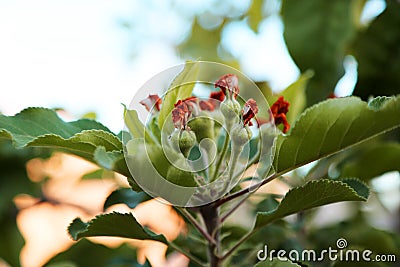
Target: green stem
234 159
253 160
221 157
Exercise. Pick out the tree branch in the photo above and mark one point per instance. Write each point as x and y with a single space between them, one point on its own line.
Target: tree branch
196 224
245 190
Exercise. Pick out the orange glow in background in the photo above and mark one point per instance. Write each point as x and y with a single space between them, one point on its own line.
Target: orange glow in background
43 225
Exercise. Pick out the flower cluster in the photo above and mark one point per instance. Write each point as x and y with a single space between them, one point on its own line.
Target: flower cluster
234 114
197 127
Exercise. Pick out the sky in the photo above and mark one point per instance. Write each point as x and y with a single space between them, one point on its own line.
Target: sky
77 55
71 54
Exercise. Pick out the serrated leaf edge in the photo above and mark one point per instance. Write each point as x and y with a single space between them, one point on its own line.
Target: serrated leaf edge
312 182
90 223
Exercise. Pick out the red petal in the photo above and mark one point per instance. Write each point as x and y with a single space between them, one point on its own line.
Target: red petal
206 105
250 109
228 82
151 101
220 96
278 112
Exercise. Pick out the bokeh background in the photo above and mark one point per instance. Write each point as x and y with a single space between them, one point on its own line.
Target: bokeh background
85 58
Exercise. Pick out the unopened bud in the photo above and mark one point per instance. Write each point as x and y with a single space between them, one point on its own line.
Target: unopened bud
230 109
183 141
179 176
203 128
240 135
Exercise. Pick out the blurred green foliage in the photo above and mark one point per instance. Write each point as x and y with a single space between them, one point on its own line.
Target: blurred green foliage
14 181
377 51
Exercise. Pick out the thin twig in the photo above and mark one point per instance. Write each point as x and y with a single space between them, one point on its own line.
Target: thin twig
232 249
245 190
268 195
232 210
187 254
221 157
254 159
196 224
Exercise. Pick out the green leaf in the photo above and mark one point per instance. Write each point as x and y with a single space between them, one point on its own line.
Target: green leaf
267 204
33 122
313 194
82 144
378 55
109 159
40 127
132 121
126 196
359 186
377 102
332 126
180 88
98 174
276 263
112 224
317 34
380 158
114 160
89 115
95 255
255 14
43 128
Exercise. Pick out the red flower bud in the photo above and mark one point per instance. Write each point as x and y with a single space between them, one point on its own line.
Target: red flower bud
278 112
180 115
230 83
183 110
151 101
250 109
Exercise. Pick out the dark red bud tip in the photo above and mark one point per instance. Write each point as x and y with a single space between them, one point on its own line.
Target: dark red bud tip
250 109
206 105
228 83
278 112
213 102
183 109
152 101
332 95
219 96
